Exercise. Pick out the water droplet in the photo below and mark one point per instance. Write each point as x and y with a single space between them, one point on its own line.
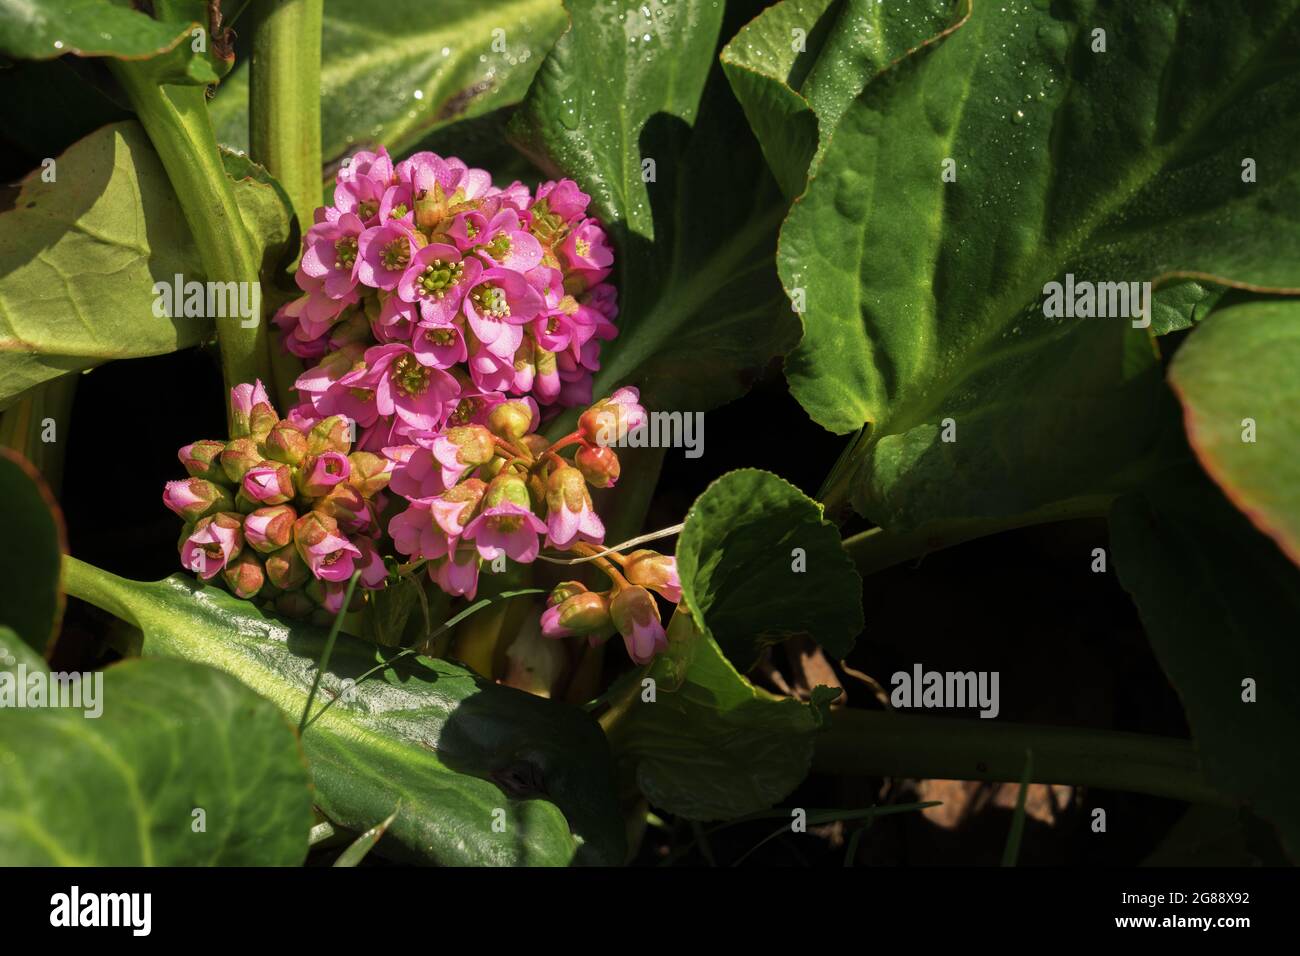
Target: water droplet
1018 116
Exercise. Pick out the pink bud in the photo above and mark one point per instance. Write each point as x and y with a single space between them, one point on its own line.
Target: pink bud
193 498
269 483
636 616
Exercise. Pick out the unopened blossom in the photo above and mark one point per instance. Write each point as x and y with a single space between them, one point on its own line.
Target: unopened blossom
636 616
609 420
569 514
654 570
212 544
194 498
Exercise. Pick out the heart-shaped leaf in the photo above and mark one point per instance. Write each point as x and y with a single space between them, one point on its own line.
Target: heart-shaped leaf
701 741
393 72
1027 146
759 564
157 763
484 774
1219 603
629 105
82 246
1238 378
31 602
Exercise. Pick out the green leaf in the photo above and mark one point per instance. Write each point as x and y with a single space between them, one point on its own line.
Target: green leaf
925 298
452 748
391 73
125 787
797 66
32 529
362 845
103 28
79 257
710 745
265 208
700 312
1219 602
759 564
1238 380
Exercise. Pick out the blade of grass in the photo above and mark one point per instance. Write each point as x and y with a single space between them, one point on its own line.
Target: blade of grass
328 649
1011 852
357 850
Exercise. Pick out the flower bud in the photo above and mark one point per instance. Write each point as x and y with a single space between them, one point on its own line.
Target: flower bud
569 514
563 591
286 444
580 614
244 575
249 402
195 498
535 443
454 508
294 604
635 614
513 419
270 529
322 472
330 434
461 448
268 483
240 455
598 465
654 570
507 487
213 543
202 459
286 569
370 472
346 506
609 420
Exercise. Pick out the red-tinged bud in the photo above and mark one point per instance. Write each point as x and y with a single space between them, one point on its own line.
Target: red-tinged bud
330 434
461 448
507 487
582 613
598 465
536 444
569 515
610 419
244 575
313 528
651 569
261 421
203 460
370 472
249 404
454 508
268 483
514 419
270 529
563 591
240 455
213 543
636 616
320 473
195 498
286 444
346 506
286 569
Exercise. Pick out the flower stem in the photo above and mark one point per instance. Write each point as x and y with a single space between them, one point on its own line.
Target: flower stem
877 549
889 744
176 119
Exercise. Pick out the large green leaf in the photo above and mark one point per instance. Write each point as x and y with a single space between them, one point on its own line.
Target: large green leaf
183 766
1220 604
31 528
458 753
1238 378
393 72
925 298
79 257
709 745
798 65
759 564
627 94
110 28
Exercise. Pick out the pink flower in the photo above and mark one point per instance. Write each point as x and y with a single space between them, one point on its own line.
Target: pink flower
609 420
327 470
418 394
331 254
505 243
569 514
586 249
373 571
415 534
437 279
269 483
453 509
331 558
384 253
192 498
459 449
457 574
441 346
636 616
651 569
564 199
506 528
270 529
498 303
213 543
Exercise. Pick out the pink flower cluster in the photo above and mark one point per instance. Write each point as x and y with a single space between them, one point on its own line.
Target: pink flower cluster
430 295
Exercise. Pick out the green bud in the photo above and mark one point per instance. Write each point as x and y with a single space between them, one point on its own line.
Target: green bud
598 464
286 444
370 472
240 455
286 569
294 604
511 420
563 591
330 434
203 460
507 486
244 575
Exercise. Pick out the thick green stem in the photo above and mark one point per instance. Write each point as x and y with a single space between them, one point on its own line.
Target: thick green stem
36 426
874 743
176 119
284 124
878 549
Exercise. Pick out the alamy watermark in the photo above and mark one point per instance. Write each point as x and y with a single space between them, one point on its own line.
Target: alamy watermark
213 300
660 430
41 688
955 690
1100 300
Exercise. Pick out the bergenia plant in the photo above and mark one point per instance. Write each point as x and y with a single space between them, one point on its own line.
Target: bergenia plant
992 313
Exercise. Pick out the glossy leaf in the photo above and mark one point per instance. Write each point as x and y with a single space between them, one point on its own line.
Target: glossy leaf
102 28
925 298
627 105
183 766
710 745
1219 603
31 528
79 257
759 564
459 753
798 65
1238 378
393 72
